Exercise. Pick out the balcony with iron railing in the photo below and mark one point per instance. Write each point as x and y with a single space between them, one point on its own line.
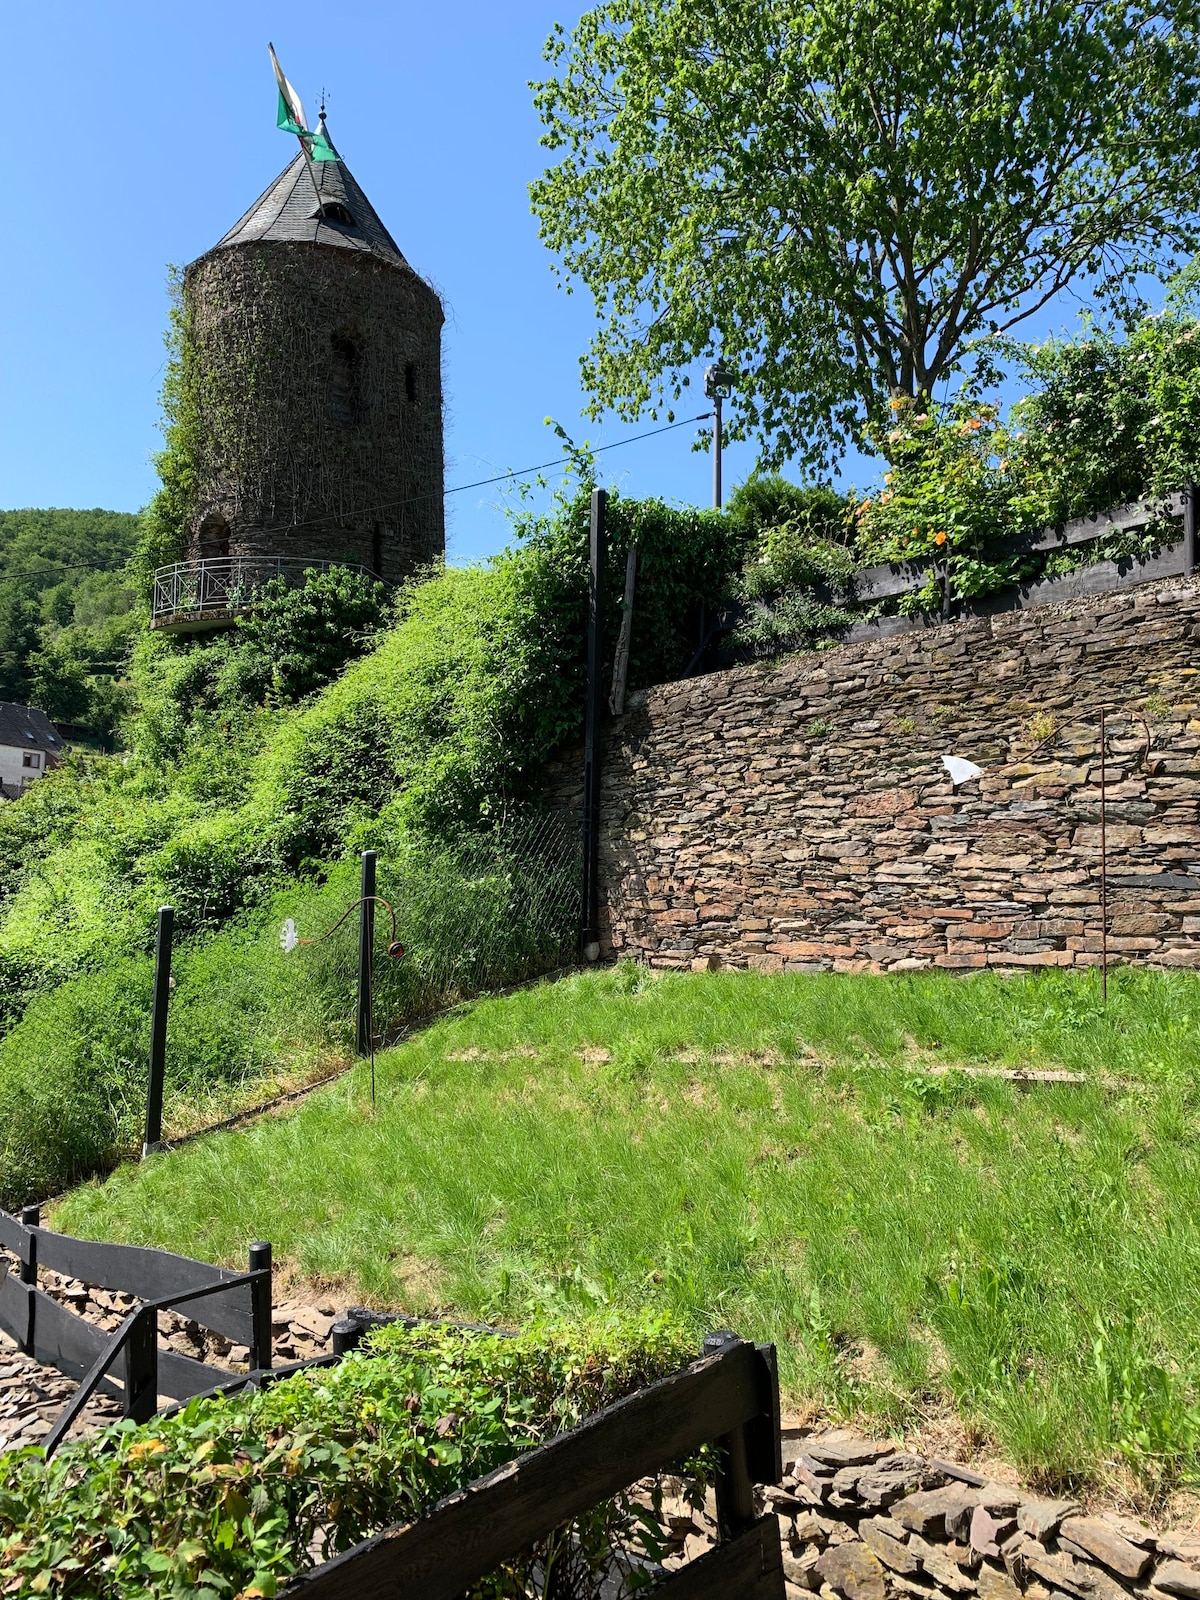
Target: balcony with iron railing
192 596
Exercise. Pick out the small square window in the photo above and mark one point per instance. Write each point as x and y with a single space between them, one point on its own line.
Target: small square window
31 760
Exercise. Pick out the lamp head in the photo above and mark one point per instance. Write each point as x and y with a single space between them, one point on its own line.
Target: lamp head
718 380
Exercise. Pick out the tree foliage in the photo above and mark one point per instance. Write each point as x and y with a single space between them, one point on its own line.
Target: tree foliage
66 621
842 197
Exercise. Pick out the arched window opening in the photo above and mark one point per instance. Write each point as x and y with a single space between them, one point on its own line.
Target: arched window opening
335 211
214 538
410 383
343 380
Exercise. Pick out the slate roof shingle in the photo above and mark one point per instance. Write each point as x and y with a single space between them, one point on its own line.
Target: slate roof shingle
288 212
25 728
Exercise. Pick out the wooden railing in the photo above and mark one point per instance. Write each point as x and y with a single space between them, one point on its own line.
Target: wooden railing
904 577
236 1305
1100 577
729 1397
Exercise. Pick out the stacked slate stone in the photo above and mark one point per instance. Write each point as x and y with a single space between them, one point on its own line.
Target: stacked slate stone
864 1521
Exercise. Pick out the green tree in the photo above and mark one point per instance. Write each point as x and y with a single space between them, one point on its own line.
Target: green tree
18 639
845 197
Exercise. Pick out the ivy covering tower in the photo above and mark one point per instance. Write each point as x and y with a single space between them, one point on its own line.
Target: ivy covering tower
307 418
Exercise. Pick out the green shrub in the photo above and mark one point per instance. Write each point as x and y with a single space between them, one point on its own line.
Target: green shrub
236 1496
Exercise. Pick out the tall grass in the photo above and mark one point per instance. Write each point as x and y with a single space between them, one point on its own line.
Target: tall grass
247 1018
775 1155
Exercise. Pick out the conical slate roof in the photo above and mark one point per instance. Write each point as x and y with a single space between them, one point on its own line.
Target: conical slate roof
290 213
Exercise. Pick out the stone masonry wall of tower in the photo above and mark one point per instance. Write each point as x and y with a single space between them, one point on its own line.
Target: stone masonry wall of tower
320 406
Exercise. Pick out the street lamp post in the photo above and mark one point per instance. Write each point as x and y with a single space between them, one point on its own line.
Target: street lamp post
718 383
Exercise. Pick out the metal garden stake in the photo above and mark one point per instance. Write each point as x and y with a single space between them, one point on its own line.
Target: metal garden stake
364 1032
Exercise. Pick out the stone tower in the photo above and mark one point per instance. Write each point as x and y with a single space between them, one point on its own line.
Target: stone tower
313 358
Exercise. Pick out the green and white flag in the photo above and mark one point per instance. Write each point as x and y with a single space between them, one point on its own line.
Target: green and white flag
291 116
319 145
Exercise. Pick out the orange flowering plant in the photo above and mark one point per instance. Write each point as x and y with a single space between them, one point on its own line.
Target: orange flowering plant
947 495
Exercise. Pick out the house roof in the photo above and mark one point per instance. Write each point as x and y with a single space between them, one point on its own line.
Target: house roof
24 728
290 212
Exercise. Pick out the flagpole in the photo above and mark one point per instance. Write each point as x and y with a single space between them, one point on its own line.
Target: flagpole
309 165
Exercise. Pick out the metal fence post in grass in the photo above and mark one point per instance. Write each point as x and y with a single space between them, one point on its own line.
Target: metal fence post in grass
260 1308
366 946
158 1030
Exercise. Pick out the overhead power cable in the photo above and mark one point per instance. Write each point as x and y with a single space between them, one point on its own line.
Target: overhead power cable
395 505
500 477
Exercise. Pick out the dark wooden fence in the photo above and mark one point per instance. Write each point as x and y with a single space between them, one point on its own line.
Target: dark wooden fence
236 1305
730 1396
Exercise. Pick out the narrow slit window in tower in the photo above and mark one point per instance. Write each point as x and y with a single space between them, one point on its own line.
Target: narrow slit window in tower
343 380
410 383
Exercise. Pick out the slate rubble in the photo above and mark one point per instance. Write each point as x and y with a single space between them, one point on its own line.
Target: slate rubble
31 1395
948 1539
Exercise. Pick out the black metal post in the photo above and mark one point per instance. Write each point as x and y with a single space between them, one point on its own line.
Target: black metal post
366 946
733 1484
260 1309
591 736
347 1335
158 1030
141 1367
31 1217
718 442
1189 528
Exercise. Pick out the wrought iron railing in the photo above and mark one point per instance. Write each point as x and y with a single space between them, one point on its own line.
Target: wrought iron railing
222 586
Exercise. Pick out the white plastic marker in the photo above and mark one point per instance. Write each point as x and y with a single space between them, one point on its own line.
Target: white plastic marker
961 771
288 937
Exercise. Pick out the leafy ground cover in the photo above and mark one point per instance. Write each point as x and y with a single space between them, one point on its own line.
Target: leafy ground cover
806 1159
234 1497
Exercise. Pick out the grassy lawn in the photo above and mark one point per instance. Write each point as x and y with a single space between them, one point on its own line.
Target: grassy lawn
799 1158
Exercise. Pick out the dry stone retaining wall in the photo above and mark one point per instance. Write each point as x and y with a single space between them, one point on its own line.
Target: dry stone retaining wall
864 1521
798 817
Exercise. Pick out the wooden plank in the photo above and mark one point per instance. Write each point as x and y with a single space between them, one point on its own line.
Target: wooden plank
63 1340
150 1275
13 1236
472 1531
880 583
1082 530
749 1567
903 577
1101 577
15 1304
764 1436
181 1377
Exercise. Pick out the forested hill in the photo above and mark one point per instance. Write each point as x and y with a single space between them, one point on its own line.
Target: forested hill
66 611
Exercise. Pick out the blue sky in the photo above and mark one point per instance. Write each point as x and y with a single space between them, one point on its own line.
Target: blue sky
137 132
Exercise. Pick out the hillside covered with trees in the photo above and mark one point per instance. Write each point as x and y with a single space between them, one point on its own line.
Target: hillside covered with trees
67 620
